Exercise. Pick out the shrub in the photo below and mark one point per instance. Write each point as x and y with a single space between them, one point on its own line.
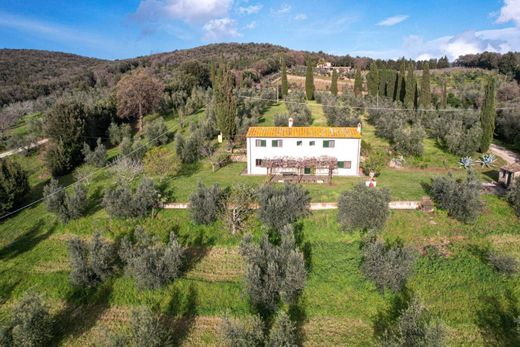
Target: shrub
387 266
120 202
91 263
513 195
375 162
411 326
363 208
116 133
14 184
31 323
502 263
409 140
281 206
97 157
461 198
273 272
66 206
149 261
247 332
283 332
161 163
206 204
239 207
156 132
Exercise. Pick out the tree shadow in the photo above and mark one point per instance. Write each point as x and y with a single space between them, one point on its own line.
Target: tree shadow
188 170
497 320
298 314
304 246
493 174
197 248
182 313
6 289
95 201
386 318
27 241
81 312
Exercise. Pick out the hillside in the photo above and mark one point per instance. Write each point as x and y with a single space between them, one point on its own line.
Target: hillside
28 74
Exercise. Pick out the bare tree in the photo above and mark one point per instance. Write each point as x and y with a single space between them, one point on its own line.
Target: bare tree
137 94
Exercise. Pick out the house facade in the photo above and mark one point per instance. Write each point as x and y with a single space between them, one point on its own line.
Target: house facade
316 151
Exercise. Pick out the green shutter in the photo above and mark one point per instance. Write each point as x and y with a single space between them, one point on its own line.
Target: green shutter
274 143
263 143
341 164
325 144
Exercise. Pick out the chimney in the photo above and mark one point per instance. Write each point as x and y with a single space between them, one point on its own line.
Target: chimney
359 128
291 121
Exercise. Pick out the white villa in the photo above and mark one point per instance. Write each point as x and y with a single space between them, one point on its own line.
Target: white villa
301 151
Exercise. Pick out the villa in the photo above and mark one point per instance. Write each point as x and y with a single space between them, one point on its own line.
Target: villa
303 151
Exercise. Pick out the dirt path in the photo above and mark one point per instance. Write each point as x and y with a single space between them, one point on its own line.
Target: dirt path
21 149
504 153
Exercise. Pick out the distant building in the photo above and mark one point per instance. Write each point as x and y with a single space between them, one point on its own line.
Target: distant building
327 67
303 151
509 174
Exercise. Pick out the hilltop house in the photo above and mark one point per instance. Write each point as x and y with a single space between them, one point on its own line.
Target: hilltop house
301 151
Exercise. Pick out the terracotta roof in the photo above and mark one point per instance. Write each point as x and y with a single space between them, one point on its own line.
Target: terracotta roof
513 167
304 132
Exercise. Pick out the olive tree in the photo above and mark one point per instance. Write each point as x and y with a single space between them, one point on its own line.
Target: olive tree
96 157
388 266
66 205
156 132
283 332
206 203
121 202
246 332
364 208
151 263
239 207
281 206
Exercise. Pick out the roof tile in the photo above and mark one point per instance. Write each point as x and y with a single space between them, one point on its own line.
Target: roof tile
304 132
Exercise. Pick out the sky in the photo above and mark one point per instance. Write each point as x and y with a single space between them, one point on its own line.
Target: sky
117 29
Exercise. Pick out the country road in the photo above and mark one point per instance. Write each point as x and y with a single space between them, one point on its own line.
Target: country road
504 153
21 149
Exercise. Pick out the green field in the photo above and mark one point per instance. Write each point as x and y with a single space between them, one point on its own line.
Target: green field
338 306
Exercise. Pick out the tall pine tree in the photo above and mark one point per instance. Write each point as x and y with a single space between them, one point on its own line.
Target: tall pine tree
373 80
285 83
401 82
425 100
358 83
309 81
334 83
487 116
409 97
225 104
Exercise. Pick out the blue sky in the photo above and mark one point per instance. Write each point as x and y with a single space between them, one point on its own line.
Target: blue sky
381 29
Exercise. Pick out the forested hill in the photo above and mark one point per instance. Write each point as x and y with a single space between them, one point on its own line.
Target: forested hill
28 74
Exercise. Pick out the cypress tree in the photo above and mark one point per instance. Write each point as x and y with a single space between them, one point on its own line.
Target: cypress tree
334 83
373 80
426 96
391 84
409 97
444 94
309 82
358 83
487 116
383 80
225 103
401 82
285 83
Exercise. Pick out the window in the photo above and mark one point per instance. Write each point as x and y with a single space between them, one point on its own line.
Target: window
258 162
312 143
277 143
344 164
328 143
299 143
261 143
307 171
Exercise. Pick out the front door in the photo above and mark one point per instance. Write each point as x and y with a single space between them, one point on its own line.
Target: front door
509 174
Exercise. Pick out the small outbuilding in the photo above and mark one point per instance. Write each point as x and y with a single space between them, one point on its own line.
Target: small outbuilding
509 174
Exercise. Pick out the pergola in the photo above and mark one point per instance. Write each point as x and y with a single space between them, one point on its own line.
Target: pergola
297 166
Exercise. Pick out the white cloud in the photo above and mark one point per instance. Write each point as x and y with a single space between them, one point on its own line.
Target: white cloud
283 9
187 10
392 20
251 25
300 16
250 9
510 12
217 29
